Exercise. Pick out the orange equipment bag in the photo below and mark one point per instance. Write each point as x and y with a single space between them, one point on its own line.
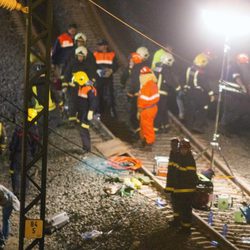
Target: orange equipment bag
124 163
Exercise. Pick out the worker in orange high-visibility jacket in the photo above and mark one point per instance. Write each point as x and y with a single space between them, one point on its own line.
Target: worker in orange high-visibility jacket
147 105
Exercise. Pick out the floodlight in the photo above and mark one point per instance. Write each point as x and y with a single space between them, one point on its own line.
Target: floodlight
227 22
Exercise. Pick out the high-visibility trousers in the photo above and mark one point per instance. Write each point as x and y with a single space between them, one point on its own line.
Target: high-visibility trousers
147 117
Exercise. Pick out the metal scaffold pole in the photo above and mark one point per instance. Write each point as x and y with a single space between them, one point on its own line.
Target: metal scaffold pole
32 214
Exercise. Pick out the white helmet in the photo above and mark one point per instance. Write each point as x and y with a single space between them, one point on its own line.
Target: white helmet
167 59
81 51
80 37
143 52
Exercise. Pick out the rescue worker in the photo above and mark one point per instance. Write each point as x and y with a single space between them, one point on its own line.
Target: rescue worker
62 49
87 103
78 64
159 53
147 106
39 94
106 64
167 85
134 58
185 180
236 117
3 138
8 202
198 94
171 176
81 41
15 149
134 87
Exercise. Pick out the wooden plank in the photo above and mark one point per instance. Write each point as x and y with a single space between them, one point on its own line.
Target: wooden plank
111 147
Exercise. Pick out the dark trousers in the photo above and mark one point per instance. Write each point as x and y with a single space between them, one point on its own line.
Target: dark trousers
16 178
105 93
161 120
7 210
183 207
133 113
72 102
85 137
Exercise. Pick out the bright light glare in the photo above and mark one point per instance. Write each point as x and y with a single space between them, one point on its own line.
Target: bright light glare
228 23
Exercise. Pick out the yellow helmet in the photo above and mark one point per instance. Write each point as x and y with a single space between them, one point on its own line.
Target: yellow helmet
32 113
81 78
33 58
201 60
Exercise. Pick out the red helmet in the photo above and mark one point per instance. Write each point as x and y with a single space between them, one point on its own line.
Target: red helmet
185 143
145 70
242 58
136 58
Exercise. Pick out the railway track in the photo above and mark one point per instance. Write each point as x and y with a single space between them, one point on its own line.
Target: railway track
202 233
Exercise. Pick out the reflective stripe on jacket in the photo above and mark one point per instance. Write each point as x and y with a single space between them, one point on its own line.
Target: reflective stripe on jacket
185 178
65 40
38 106
105 58
148 95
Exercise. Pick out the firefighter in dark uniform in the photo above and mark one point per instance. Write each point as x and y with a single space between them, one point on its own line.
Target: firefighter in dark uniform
107 65
134 87
39 94
236 117
80 41
62 49
78 64
171 177
87 103
167 85
15 148
3 138
198 94
185 181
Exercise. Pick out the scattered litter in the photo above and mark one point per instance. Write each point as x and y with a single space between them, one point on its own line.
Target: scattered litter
143 179
160 202
214 243
91 235
56 222
112 188
245 240
126 191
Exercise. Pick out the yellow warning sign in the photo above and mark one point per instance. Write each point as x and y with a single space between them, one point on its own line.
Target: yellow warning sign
33 229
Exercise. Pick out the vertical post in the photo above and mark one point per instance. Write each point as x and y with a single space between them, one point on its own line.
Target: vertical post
43 23
223 76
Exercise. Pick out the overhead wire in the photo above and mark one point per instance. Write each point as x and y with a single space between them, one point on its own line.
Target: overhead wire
138 31
113 163
52 130
58 148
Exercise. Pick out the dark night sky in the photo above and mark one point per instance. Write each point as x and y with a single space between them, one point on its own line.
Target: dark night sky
176 22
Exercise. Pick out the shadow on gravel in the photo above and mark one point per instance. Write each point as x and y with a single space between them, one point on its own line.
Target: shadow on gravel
166 239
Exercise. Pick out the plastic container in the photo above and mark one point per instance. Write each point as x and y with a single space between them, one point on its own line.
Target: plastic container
214 243
91 235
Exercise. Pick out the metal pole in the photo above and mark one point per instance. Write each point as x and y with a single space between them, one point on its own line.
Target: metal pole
224 73
42 20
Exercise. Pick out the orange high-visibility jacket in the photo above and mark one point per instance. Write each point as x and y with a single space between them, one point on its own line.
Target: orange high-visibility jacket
148 95
66 40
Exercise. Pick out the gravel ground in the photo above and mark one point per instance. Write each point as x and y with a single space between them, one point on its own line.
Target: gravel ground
137 223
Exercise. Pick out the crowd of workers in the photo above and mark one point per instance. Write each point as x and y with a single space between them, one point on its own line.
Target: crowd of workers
82 89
